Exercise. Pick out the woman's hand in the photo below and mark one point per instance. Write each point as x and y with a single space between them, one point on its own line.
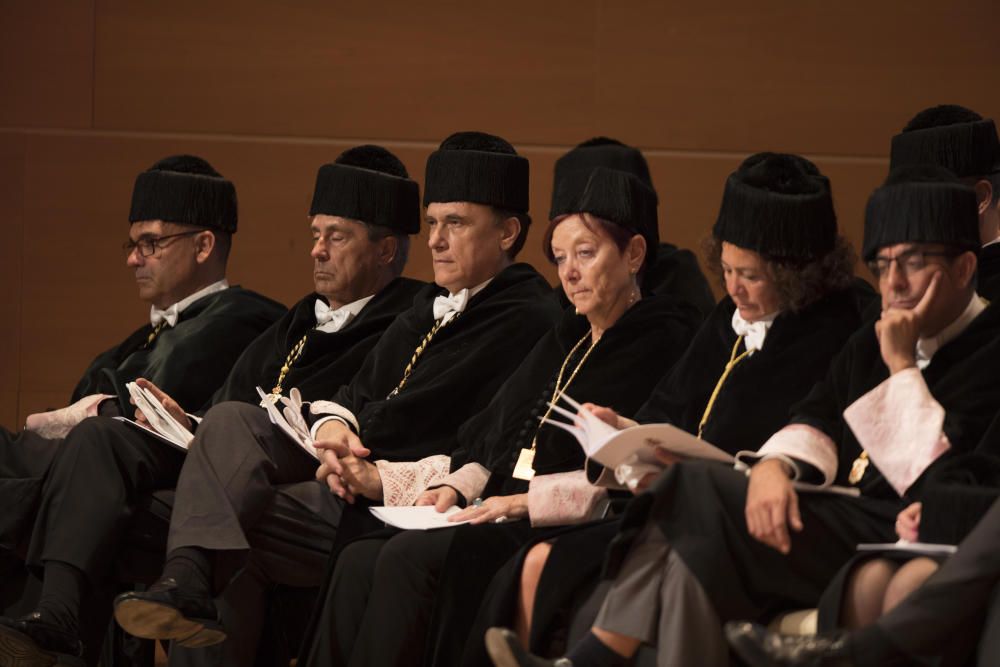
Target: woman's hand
441 498
772 505
492 509
908 523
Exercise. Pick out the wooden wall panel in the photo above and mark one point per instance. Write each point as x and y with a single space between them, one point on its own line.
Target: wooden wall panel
389 69
805 77
11 237
46 63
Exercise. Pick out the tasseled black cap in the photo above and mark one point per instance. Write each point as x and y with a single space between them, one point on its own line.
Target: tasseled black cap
479 168
573 169
921 204
624 199
370 184
780 206
185 189
948 136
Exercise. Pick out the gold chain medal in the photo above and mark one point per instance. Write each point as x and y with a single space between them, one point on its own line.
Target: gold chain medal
524 469
858 468
293 356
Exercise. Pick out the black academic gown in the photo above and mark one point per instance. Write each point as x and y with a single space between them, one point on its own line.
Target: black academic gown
748 580
327 361
753 403
457 375
620 372
188 361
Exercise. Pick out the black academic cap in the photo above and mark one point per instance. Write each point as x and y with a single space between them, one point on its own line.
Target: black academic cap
948 136
921 204
779 205
480 168
370 184
573 169
185 189
623 199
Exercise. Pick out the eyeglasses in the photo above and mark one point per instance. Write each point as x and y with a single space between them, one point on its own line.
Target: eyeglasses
150 244
908 262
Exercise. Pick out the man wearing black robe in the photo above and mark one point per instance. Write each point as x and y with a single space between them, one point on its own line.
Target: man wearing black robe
244 483
964 142
319 344
709 544
179 243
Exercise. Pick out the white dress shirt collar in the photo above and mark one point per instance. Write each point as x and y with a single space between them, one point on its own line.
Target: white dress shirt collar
447 307
172 314
754 332
927 347
330 320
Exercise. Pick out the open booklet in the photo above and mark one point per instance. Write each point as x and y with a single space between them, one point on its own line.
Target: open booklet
423 517
162 425
289 419
611 447
922 548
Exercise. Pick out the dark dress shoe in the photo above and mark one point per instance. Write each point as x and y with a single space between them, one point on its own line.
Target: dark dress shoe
165 611
32 641
505 649
759 647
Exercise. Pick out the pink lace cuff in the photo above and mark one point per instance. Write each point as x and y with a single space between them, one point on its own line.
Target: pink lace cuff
404 481
563 498
899 423
469 480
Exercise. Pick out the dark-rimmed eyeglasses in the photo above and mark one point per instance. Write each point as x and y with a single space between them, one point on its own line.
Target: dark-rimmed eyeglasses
148 245
908 262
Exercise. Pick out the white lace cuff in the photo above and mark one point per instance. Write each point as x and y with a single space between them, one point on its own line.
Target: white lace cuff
563 498
404 481
334 410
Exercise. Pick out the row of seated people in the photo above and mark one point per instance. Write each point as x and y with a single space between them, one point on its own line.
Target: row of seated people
443 405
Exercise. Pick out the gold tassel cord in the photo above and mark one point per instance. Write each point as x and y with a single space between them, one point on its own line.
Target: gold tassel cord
733 360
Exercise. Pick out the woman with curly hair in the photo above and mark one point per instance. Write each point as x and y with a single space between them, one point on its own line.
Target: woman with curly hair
791 303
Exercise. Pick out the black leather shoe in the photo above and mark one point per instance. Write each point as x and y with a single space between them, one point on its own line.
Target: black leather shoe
32 641
759 647
505 649
167 612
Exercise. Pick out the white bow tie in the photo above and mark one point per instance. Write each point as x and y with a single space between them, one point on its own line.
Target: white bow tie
329 320
447 307
753 333
170 315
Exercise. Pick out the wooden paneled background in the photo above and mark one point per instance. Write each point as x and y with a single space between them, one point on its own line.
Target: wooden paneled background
94 91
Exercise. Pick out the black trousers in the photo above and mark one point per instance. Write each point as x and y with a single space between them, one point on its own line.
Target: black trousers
380 600
945 616
25 458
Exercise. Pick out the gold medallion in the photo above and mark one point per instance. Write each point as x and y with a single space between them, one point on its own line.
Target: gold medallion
524 468
858 468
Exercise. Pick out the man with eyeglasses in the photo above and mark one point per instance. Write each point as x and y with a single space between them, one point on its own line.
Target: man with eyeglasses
182 218
713 544
961 140
364 208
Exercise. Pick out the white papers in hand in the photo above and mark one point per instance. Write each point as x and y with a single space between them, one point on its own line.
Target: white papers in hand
610 446
924 548
161 422
289 421
423 517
